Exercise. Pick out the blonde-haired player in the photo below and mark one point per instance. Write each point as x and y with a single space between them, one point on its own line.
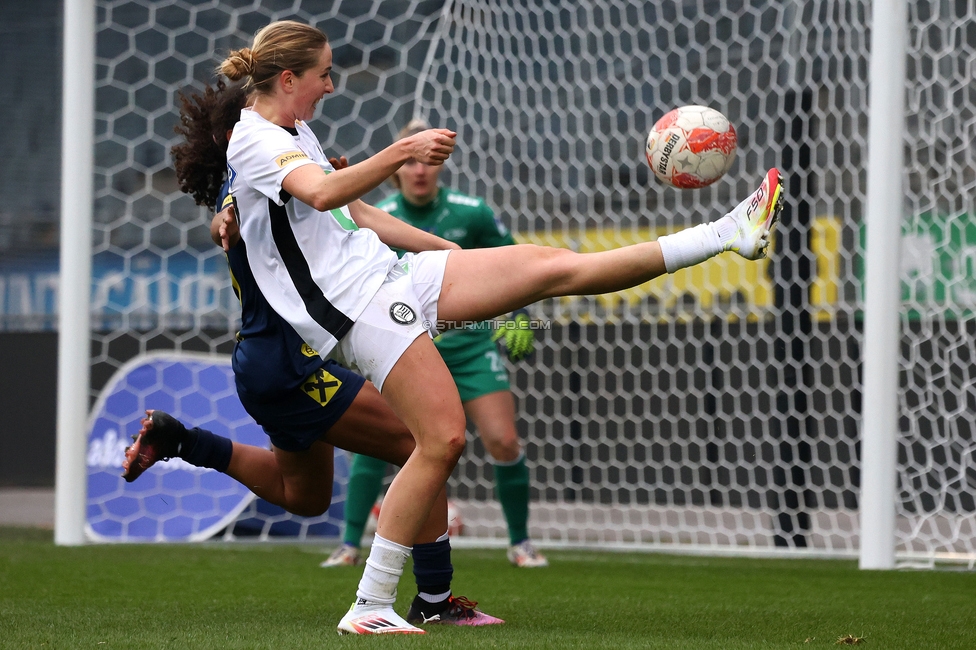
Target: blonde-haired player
322 258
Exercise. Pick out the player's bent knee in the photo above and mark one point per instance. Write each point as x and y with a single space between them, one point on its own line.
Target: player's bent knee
309 511
307 498
310 506
445 448
455 446
503 449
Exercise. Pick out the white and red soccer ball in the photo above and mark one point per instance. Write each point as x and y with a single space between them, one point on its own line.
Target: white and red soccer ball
455 524
691 147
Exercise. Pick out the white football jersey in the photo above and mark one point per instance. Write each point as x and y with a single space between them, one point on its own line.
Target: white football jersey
318 270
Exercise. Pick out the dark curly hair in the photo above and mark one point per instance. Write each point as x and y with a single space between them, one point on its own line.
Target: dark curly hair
201 160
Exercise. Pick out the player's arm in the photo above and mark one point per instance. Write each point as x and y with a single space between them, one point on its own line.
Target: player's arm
312 186
223 228
395 233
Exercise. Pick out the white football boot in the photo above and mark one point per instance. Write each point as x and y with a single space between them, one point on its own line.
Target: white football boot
345 555
755 218
365 617
525 555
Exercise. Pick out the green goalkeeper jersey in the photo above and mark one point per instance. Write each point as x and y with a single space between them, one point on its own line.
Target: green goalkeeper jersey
465 220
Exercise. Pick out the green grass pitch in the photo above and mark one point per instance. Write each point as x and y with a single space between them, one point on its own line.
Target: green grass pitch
275 596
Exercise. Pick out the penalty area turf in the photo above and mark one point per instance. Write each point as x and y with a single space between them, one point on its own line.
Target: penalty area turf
247 595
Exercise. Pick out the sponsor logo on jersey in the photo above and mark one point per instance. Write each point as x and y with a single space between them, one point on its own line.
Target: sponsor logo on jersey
309 351
321 386
460 199
290 157
402 313
455 234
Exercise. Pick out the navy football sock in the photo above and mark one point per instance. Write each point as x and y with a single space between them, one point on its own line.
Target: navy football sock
433 570
206 449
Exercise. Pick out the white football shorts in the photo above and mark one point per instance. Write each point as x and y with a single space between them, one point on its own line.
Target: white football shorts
404 307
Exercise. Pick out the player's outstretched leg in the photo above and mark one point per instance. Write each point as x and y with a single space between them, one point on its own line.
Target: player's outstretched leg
163 437
744 230
456 610
755 218
483 283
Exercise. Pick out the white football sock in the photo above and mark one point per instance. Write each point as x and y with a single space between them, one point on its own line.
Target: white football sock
690 246
384 566
726 228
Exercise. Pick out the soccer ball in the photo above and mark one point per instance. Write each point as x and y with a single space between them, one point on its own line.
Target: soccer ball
373 520
455 525
691 147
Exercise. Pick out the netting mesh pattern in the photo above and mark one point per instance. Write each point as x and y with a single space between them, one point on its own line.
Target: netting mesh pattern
937 452
718 406
713 407
160 282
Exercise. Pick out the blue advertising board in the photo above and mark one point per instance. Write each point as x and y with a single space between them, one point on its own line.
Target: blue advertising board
175 501
172 501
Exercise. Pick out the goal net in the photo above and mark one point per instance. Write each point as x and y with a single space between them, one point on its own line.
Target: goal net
714 410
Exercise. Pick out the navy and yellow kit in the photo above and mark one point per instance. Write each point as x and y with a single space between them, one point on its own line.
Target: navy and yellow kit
294 394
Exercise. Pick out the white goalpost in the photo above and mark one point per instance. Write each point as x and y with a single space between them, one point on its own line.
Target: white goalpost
74 308
822 403
879 419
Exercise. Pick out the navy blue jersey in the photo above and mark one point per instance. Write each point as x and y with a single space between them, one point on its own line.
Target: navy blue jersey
270 358
283 383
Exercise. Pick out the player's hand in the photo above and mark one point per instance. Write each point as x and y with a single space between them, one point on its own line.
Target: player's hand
431 147
518 336
228 230
339 163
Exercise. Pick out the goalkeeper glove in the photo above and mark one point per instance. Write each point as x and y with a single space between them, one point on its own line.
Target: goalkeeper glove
519 338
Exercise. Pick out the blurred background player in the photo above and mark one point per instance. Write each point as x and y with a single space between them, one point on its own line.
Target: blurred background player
471 356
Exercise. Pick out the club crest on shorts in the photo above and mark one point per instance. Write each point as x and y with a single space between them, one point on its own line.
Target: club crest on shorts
402 313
